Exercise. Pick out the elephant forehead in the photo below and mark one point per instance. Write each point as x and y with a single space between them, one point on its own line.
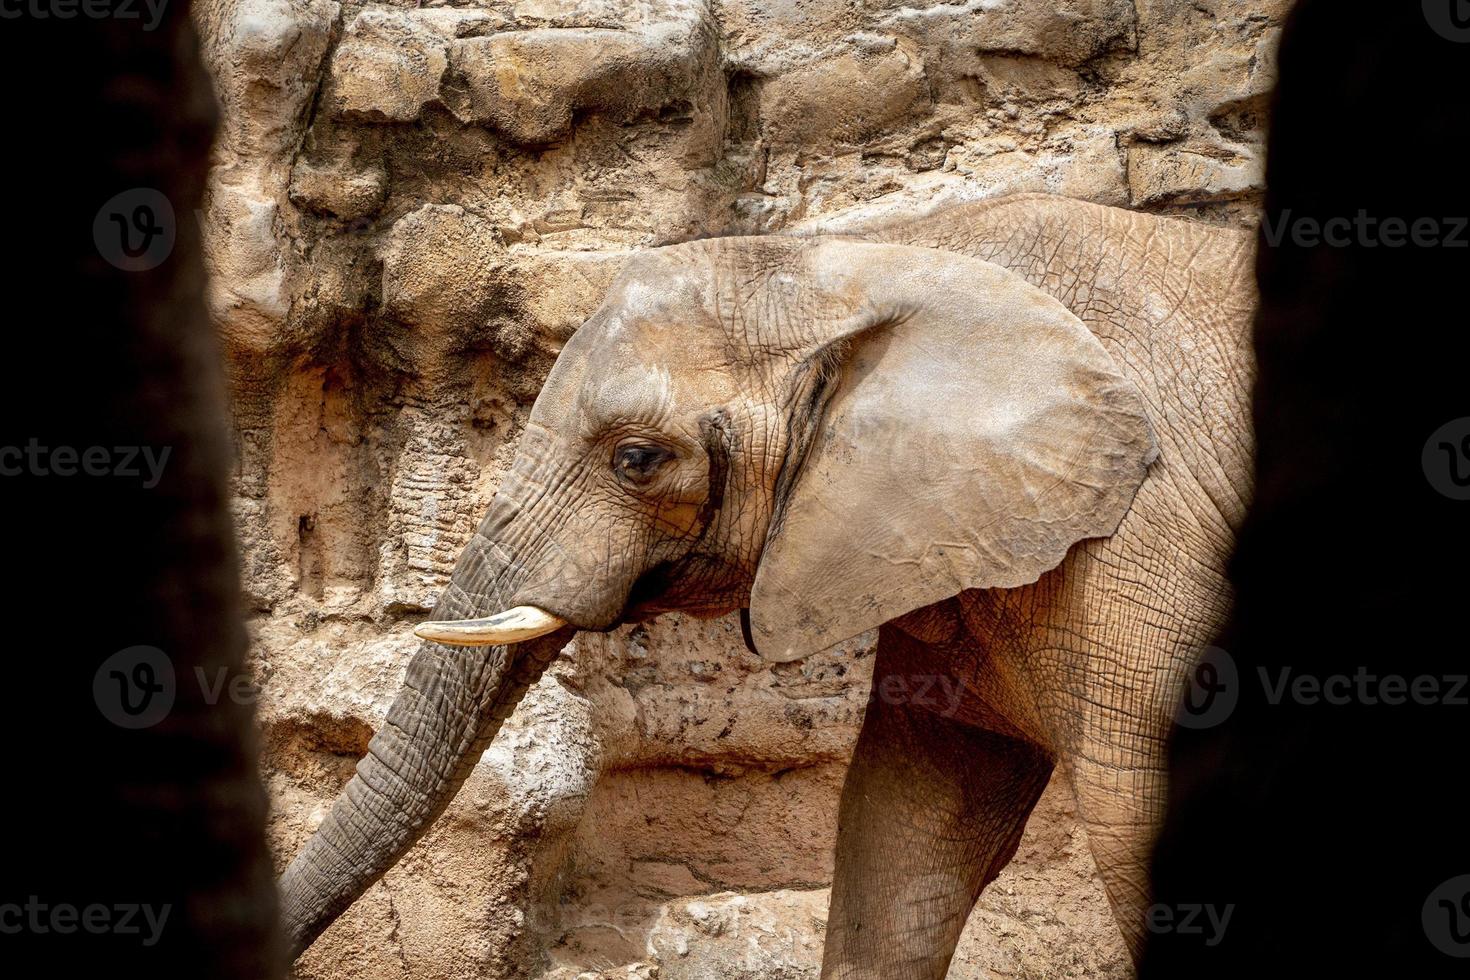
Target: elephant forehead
619 368
682 339
641 391
654 382
659 285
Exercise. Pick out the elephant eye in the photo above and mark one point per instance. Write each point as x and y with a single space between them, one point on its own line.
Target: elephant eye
636 463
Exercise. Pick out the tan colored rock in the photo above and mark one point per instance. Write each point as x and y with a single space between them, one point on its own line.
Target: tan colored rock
1009 79
1067 32
390 63
741 937
442 271
566 286
266 57
529 84
1186 175
351 196
845 99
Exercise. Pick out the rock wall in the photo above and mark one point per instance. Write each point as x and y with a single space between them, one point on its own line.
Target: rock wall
413 205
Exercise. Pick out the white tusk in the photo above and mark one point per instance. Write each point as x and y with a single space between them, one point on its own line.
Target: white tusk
512 626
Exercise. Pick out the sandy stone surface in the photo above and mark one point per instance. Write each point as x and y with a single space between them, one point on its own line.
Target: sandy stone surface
413 205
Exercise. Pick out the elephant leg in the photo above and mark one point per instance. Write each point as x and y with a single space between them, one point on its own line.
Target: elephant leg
1115 755
1121 809
932 810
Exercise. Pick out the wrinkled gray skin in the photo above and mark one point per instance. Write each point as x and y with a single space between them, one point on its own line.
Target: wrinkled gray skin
729 360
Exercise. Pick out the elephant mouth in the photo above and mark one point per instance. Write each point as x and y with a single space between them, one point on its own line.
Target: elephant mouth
695 587
649 595
666 587
527 622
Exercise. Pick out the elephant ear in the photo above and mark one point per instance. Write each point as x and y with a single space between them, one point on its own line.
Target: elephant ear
974 430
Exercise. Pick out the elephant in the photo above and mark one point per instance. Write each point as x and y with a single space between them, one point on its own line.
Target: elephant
1012 436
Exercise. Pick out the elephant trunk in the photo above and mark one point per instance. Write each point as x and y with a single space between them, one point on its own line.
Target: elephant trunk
453 701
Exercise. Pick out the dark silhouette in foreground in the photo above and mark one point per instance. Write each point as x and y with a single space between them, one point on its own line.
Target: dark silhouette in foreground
1326 811
134 822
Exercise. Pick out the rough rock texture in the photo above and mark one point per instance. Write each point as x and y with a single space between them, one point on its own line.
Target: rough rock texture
413 205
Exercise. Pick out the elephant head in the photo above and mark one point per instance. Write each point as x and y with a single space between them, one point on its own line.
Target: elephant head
827 431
